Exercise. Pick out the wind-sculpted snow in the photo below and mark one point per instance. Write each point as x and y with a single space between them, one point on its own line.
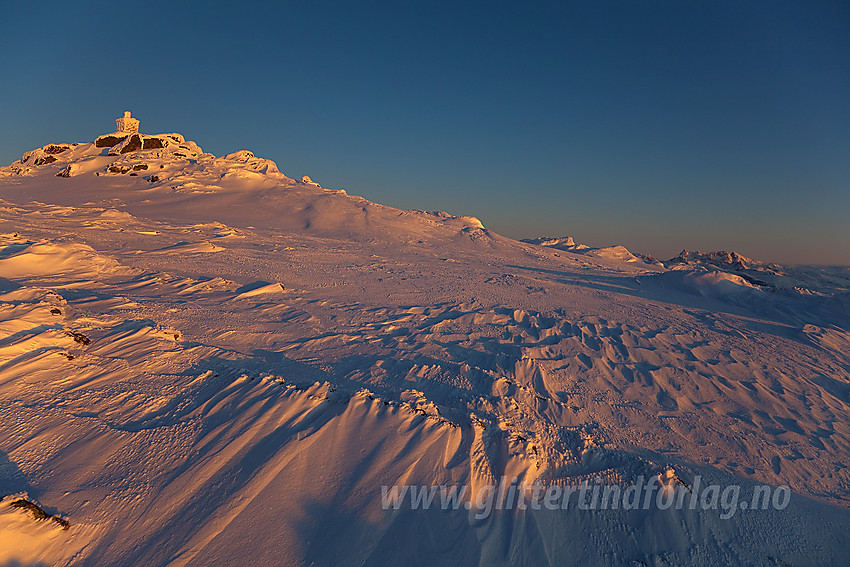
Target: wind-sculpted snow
223 363
178 179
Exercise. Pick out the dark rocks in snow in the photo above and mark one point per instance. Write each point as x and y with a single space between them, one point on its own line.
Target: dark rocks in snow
133 144
79 337
65 172
108 141
152 144
55 149
38 513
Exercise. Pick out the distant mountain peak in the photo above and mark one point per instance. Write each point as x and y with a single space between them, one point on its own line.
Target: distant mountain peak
718 258
552 241
567 243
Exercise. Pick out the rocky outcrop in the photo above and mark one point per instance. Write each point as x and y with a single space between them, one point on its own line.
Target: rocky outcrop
136 155
131 144
109 140
134 142
152 143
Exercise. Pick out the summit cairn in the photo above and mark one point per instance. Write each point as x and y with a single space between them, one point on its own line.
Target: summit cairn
126 124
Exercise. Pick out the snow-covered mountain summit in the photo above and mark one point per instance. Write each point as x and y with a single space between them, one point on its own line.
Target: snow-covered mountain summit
165 174
203 360
719 258
156 158
567 243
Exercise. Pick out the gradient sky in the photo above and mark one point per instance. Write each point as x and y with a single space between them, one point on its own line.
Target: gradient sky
659 125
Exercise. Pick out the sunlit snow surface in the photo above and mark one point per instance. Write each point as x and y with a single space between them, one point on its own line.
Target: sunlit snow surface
263 354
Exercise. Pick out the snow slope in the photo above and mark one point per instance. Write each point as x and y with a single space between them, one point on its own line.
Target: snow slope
617 252
223 365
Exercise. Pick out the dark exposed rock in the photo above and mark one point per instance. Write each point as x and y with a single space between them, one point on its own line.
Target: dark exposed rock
65 172
55 149
152 144
133 144
45 160
38 513
117 169
108 141
79 337
154 178
140 166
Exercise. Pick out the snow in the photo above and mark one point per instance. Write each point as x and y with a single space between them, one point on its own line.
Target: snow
25 258
203 361
21 539
617 252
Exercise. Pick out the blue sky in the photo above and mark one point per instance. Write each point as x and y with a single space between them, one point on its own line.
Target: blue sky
660 125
